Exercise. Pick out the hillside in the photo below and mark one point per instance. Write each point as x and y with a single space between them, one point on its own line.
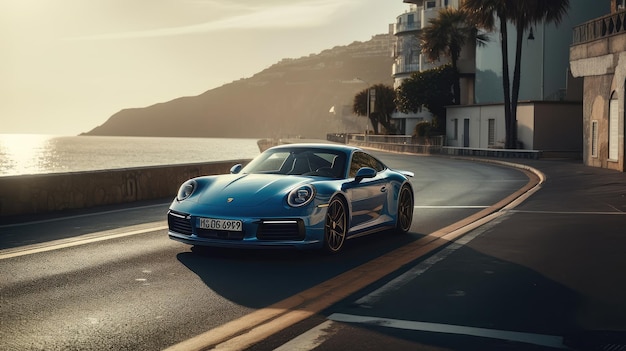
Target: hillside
292 97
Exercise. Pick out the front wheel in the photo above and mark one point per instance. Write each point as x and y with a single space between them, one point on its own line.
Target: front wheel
404 217
336 226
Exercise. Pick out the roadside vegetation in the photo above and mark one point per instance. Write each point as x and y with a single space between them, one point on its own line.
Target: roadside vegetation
382 105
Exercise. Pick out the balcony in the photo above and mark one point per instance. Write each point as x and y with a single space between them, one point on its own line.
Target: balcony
406 27
408 22
600 27
405 68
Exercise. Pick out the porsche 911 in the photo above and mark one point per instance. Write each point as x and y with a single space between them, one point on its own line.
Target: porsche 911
294 196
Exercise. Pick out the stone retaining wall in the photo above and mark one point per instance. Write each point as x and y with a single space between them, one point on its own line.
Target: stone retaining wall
45 193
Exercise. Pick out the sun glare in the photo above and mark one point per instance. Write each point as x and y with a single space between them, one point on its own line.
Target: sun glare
23 153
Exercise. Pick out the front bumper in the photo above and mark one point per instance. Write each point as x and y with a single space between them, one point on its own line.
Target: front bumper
300 233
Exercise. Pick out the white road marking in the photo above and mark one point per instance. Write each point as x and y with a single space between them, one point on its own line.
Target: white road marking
81 216
570 212
454 207
311 339
528 338
82 240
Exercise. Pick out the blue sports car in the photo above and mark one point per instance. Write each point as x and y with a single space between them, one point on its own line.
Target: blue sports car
296 195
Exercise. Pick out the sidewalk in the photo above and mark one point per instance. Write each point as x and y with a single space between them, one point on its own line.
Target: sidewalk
590 188
572 232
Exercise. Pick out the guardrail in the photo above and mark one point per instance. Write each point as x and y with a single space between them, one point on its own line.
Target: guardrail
345 138
434 145
599 28
497 153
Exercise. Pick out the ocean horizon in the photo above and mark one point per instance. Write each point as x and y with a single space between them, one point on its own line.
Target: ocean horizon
25 154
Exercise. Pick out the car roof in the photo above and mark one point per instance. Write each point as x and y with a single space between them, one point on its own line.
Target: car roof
329 146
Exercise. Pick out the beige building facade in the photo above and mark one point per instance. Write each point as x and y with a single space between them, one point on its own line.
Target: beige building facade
598 55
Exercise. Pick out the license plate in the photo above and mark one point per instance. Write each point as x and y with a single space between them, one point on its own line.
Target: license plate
220 224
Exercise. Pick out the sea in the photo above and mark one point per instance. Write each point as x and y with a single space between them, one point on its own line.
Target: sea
23 154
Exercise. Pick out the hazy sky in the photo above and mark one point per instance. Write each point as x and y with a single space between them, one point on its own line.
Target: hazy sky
66 66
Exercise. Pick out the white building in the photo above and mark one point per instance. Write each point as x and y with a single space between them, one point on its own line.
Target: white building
408 57
549 115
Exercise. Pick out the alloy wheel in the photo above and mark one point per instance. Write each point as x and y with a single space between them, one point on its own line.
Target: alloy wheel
336 226
405 210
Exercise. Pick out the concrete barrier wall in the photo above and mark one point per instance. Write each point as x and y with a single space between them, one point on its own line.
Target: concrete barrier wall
45 193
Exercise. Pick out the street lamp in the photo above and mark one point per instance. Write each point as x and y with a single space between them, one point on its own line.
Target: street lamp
371 95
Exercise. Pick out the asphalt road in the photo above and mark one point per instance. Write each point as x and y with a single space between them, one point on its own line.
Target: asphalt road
546 274
113 280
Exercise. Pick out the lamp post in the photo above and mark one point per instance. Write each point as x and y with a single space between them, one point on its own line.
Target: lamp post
370 94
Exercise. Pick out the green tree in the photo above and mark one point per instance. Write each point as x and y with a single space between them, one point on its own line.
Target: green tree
431 89
446 35
522 14
382 108
422 129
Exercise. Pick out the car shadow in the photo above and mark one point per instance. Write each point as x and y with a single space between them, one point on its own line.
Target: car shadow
258 278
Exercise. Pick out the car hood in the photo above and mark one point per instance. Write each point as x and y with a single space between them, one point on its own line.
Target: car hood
249 189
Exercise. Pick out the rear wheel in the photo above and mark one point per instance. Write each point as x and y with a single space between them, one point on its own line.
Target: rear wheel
336 226
404 217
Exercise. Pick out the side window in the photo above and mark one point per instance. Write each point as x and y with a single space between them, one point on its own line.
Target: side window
360 160
594 138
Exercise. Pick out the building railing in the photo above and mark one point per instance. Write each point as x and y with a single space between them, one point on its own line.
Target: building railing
600 27
406 27
400 68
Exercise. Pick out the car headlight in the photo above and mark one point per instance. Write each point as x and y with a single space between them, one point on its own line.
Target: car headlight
186 189
301 195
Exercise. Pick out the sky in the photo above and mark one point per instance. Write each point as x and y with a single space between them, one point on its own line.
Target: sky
66 66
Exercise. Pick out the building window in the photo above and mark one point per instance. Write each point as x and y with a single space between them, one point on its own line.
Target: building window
491 132
455 134
431 4
594 139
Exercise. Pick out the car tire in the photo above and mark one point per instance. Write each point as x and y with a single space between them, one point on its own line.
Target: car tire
404 216
336 226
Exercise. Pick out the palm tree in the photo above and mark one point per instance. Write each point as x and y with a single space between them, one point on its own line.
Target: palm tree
382 108
484 14
522 14
446 35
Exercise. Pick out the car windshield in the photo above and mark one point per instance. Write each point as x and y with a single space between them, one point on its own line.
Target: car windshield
299 161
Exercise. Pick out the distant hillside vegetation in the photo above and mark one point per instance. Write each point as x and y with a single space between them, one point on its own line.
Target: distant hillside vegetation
292 97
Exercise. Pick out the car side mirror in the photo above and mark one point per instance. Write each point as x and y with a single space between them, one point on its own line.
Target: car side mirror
365 172
236 168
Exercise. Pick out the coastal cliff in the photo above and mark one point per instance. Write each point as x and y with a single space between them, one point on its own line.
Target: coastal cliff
308 97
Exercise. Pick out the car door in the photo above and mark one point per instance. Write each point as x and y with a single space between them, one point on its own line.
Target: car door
368 195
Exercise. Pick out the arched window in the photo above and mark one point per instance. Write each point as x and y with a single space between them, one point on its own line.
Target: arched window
613 127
